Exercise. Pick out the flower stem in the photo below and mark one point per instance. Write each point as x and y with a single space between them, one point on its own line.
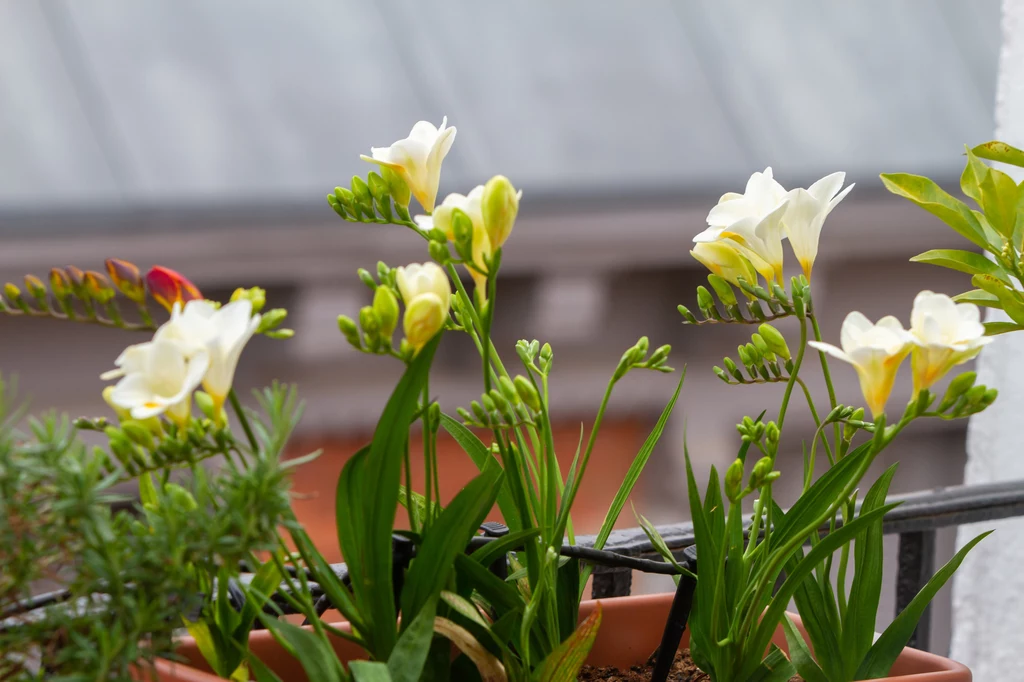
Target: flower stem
243 420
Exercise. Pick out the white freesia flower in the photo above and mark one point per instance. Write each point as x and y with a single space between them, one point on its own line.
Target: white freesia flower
806 215
416 279
945 334
221 333
160 377
470 204
753 221
417 159
875 351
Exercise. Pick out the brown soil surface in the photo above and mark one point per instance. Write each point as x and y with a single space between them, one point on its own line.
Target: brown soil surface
683 670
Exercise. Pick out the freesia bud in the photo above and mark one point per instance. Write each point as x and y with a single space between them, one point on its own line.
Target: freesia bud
255 295
98 287
850 429
762 347
168 287
77 279
385 307
270 320
730 367
722 288
762 468
363 197
416 279
734 480
397 187
424 318
500 206
771 434
527 393
137 433
479 412
368 320
347 327
704 300
378 188
180 499
508 390
125 277
60 286
774 340
687 315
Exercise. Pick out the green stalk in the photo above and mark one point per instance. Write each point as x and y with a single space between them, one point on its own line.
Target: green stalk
793 375
243 420
828 378
408 489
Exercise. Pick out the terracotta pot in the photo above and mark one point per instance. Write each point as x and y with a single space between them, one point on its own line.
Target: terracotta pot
631 629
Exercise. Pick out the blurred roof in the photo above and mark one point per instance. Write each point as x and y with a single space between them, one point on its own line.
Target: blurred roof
178 103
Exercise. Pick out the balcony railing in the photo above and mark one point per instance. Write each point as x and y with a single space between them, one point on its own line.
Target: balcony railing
916 521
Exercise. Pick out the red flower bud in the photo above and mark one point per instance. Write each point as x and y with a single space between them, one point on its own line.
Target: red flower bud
168 287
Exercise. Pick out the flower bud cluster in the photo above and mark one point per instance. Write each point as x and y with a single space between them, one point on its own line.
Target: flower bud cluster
765 358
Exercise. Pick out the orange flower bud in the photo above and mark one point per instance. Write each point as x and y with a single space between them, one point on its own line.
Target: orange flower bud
60 285
127 279
98 287
168 287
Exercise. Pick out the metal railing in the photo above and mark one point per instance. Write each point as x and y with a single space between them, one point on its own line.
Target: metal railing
916 521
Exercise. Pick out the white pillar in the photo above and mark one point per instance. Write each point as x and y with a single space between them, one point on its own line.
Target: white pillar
988 593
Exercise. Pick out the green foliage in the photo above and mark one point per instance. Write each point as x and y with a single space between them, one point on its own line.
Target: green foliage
129 576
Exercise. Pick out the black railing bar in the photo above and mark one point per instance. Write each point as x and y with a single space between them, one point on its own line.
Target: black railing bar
939 508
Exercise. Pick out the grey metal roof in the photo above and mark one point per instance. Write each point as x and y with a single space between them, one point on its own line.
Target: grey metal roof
190 102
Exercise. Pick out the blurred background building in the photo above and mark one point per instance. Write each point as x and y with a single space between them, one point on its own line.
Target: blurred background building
203 136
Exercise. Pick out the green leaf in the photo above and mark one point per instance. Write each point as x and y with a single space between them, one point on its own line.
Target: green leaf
633 475
481 455
264 583
490 552
970 179
888 646
410 653
447 537
772 616
372 489
978 297
1000 151
314 654
999 201
816 603
200 631
369 671
564 663
774 668
866 590
701 637
496 591
659 545
487 665
347 512
800 655
1009 299
328 580
932 198
419 504
962 261
813 506
996 328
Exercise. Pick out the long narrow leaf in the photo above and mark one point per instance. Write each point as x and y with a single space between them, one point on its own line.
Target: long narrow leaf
489 667
447 537
369 671
800 655
886 648
490 552
564 663
866 591
833 541
378 501
410 653
314 654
